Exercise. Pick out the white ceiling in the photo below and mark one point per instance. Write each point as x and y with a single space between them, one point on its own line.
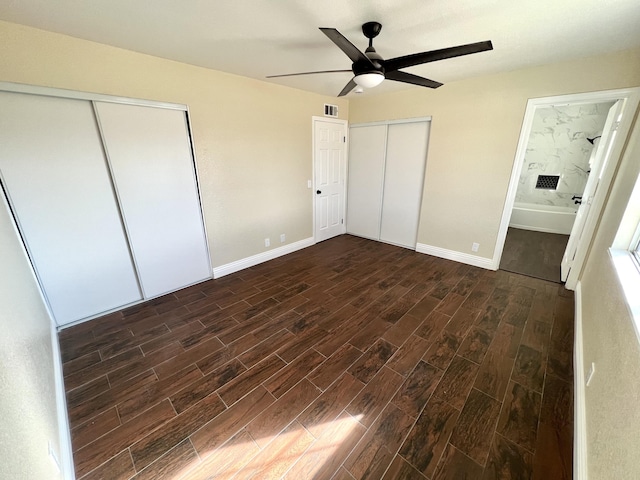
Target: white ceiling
256 38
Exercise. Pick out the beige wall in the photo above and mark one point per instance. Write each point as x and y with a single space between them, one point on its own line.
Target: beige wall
27 390
474 133
610 341
252 139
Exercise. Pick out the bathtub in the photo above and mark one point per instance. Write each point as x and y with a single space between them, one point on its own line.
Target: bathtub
543 218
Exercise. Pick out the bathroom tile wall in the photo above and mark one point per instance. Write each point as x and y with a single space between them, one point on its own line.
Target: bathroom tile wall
558 146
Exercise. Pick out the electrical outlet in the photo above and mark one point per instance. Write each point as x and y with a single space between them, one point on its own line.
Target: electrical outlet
283 237
308 183
267 242
475 247
590 373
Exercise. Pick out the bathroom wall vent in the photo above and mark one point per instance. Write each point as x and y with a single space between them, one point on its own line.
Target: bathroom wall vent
330 110
548 182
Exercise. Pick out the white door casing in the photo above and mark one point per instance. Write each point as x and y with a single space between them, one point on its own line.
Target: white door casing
330 171
600 159
630 99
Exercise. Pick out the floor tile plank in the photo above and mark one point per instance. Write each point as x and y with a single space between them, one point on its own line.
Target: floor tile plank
520 414
477 422
457 381
374 453
417 389
428 438
455 465
216 432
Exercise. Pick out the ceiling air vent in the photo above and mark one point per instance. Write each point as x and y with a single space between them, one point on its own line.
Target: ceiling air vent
330 110
548 182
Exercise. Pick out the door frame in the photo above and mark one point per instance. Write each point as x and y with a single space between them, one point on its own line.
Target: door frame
345 169
630 98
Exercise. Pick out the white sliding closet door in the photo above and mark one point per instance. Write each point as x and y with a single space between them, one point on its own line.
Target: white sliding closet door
150 157
366 173
403 182
56 177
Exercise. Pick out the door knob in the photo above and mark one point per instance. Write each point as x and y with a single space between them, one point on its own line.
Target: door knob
318 192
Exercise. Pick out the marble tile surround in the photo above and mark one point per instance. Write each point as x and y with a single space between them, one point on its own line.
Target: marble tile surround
558 146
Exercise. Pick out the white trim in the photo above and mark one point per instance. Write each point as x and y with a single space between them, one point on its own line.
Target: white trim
580 464
474 260
630 96
391 122
65 453
539 229
629 278
97 97
345 171
238 265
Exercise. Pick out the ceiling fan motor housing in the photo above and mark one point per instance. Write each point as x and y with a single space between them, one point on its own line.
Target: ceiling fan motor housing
360 68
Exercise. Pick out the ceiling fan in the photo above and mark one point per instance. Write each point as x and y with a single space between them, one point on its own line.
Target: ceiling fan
370 69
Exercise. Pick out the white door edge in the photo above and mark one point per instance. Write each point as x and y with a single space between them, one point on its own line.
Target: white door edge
345 124
601 150
631 97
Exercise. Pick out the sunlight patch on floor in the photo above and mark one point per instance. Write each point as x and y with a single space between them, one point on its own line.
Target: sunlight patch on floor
293 454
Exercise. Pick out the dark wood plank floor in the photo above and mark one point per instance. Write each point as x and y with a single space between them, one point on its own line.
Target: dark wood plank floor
349 359
536 254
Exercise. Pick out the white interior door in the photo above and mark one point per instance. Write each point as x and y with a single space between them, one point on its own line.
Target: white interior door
403 182
367 147
330 173
152 165
56 177
600 159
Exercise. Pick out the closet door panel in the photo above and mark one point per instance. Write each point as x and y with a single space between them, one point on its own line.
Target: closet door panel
366 172
57 180
403 182
151 161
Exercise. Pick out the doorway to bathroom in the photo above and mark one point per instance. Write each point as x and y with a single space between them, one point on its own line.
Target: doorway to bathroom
566 158
557 163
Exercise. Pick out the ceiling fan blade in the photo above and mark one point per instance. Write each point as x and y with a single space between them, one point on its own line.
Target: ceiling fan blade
411 78
346 46
347 88
435 55
308 73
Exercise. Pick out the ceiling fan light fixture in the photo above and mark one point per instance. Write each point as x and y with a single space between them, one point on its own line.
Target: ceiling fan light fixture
369 80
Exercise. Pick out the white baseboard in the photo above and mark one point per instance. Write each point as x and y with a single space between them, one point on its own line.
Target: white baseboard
560 231
66 455
238 265
579 410
474 260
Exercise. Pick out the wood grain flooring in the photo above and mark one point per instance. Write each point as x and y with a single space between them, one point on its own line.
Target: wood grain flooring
350 359
536 254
